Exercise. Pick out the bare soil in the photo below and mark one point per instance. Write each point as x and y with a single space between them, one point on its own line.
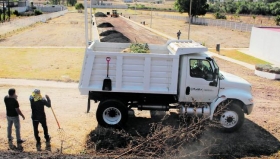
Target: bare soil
258 138
68 30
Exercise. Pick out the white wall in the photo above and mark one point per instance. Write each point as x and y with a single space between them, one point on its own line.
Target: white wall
49 8
19 9
109 6
264 44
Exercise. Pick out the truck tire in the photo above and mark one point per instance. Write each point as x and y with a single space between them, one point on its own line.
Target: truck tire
232 118
111 113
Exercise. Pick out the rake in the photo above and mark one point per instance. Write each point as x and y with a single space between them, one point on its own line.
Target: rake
60 131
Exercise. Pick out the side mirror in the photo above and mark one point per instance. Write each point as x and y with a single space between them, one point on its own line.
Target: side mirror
215 74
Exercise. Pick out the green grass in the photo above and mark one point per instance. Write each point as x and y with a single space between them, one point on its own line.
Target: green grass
237 55
41 63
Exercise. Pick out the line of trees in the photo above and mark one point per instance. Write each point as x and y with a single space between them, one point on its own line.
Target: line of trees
68 2
200 7
245 7
5 11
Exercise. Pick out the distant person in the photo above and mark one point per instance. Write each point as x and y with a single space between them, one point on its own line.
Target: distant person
178 34
37 103
12 112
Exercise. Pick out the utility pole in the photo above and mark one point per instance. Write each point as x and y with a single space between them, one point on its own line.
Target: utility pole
90 37
4 10
86 23
135 7
9 11
151 15
190 15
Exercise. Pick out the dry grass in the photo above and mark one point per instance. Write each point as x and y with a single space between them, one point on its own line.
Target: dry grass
41 63
18 31
237 55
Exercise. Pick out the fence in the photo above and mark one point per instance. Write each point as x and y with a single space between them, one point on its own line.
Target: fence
48 8
215 22
24 22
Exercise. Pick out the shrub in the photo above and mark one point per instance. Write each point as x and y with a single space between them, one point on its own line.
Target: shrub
267 68
15 12
37 12
139 48
277 20
79 6
219 15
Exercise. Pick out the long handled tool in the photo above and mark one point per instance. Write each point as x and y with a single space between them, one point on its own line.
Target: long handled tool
107 83
60 131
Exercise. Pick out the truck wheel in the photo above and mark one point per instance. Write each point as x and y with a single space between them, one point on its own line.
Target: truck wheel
111 113
232 118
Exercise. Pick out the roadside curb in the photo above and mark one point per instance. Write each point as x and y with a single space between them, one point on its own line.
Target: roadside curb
249 66
37 83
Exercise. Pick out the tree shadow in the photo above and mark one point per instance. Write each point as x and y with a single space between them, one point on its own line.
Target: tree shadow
250 140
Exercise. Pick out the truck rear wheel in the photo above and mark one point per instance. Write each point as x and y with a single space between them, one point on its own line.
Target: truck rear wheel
232 118
111 113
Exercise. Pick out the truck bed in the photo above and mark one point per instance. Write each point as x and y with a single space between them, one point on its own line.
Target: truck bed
154 72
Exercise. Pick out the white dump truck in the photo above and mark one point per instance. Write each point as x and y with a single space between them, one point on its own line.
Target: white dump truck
170 76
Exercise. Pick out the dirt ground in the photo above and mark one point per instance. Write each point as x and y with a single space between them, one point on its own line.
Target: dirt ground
68 30
258 138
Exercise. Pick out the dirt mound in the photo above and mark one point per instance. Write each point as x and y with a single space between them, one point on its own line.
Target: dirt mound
100 14
108 32
105 25
111 139
116 37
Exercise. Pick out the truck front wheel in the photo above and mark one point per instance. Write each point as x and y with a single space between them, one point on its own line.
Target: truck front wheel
232 118
111 113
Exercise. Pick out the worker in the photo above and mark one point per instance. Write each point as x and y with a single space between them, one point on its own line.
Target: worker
178 34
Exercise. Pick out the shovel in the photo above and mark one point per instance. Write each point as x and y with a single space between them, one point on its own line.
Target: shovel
107 83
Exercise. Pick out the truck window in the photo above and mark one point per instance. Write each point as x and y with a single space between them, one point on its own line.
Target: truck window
201 69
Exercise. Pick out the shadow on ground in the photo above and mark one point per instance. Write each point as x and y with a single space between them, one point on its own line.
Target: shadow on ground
250 140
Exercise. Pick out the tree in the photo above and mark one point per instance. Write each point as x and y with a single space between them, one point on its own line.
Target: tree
199 7
243 8
4 11
79 6
275 8
71 2
277 20
1 14
55 2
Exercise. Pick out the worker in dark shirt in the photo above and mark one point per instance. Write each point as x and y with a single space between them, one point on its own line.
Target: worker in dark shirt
38 114
12 110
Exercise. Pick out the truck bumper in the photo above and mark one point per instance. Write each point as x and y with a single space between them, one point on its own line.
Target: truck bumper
249 108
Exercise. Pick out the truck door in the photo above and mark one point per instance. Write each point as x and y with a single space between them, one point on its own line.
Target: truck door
199 76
